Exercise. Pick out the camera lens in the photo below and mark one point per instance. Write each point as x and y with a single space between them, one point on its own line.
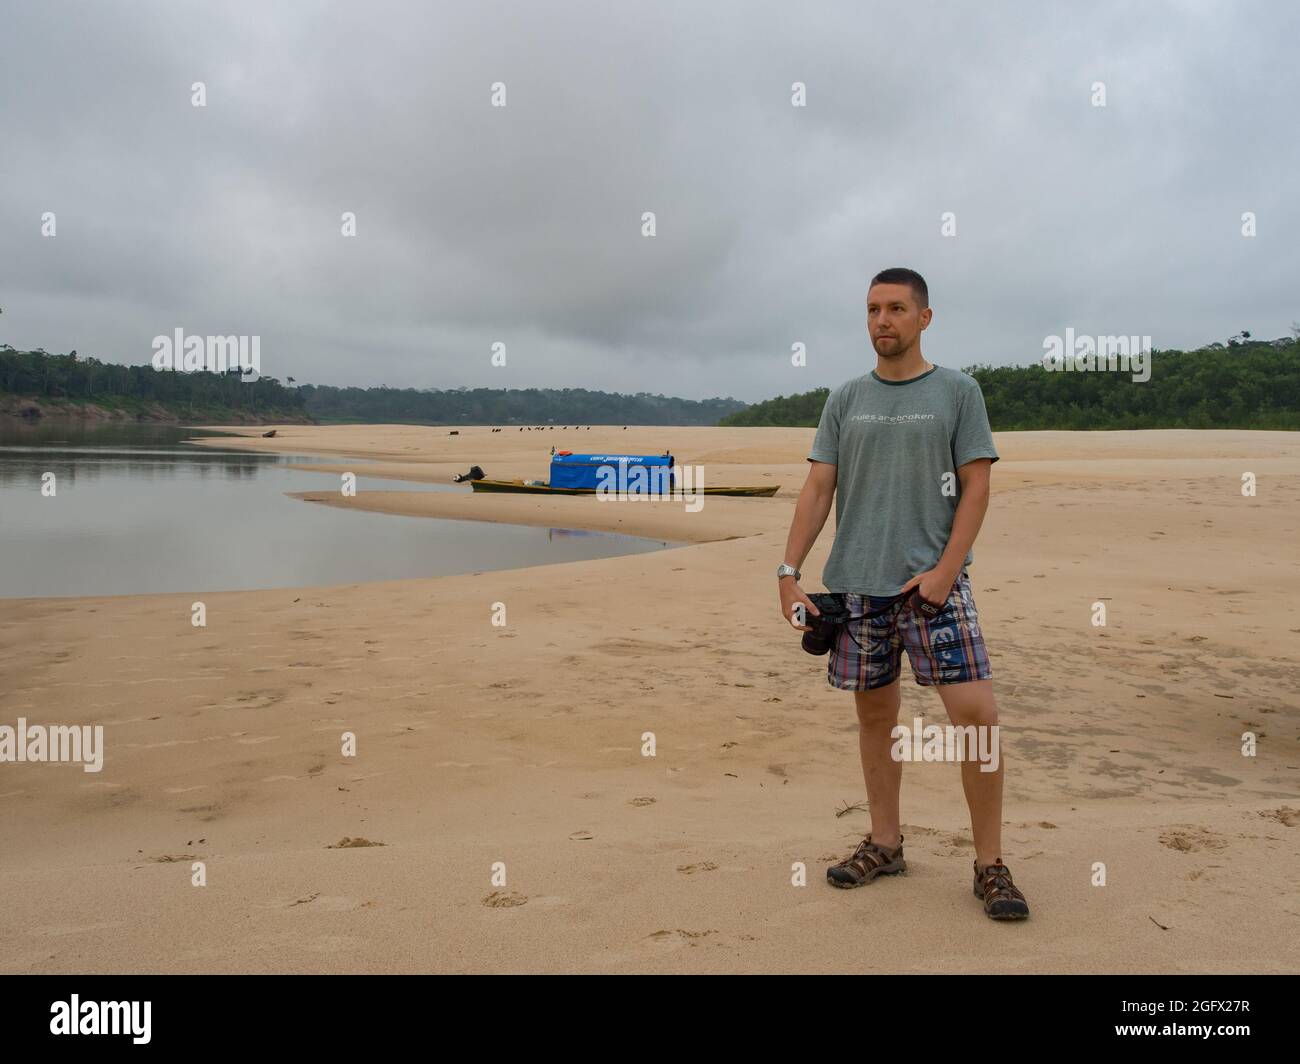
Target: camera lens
815 641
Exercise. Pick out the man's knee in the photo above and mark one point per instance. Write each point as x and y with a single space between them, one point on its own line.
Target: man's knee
971 704
877 706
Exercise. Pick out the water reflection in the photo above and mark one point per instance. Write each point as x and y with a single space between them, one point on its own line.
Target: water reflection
135 509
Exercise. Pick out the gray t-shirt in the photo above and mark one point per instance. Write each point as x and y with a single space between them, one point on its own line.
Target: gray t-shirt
893 441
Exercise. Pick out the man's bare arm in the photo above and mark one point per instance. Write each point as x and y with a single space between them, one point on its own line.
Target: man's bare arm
810 512
810 515
935 585
966 522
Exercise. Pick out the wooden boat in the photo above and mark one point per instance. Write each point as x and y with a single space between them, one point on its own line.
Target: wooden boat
545 489
590 474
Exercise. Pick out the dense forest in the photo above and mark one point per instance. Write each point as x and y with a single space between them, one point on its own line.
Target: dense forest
64 382
1245 385
510 406
57 382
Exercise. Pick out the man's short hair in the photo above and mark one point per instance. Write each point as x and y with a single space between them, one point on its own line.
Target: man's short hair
902 275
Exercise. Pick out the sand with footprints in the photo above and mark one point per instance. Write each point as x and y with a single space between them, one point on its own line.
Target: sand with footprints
499 814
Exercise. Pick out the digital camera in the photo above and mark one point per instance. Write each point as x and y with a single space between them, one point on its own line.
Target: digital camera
824 627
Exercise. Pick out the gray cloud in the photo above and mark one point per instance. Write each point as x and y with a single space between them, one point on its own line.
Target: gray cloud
522 224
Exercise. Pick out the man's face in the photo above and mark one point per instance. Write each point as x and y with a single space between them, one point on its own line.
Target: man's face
894 319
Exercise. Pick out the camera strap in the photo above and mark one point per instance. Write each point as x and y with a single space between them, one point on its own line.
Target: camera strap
893 602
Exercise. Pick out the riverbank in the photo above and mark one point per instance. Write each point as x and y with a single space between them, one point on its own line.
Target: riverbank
517 750
17 409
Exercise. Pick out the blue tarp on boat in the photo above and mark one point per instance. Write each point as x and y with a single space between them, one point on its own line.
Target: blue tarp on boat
634 473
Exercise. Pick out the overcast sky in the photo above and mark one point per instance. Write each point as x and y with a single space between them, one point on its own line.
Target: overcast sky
522 224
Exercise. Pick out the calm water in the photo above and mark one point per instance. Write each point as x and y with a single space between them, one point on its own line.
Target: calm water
138 510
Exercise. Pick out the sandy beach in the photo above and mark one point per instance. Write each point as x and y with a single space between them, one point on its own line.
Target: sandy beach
520 746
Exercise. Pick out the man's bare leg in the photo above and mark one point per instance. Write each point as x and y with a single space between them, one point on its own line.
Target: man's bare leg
973 703
877 716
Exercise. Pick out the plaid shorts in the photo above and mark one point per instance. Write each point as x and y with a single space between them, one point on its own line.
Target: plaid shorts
948 649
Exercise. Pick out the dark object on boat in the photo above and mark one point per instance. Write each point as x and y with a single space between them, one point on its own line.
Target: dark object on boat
475 473
268 435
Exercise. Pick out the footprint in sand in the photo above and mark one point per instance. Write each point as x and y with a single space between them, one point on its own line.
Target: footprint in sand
1285 816
331 903
504 899
642 801
678 934
267 698
701 866
349 843
207 812
1188 839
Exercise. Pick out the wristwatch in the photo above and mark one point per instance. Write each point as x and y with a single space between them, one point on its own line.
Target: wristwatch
787 570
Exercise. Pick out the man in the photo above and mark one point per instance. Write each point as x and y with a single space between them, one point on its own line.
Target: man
909 449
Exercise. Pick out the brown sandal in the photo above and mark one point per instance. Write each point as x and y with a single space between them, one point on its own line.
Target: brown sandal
868 861
1002 898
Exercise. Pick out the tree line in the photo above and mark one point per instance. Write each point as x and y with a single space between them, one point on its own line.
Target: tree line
1246 385
72 379
510 406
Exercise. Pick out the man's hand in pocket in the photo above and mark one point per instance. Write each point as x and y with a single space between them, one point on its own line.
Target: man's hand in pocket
932 586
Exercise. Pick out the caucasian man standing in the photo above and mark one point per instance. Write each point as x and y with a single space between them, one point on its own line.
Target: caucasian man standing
906 452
